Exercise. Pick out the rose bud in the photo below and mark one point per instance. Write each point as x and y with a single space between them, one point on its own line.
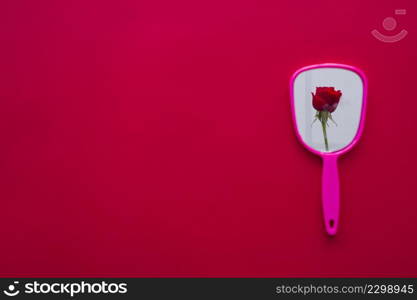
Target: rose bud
326 99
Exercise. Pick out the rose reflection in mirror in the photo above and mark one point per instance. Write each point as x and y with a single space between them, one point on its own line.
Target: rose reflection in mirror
325 101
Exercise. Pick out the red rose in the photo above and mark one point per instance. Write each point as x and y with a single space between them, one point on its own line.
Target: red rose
326 99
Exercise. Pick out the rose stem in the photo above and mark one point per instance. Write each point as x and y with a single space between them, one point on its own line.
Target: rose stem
323 124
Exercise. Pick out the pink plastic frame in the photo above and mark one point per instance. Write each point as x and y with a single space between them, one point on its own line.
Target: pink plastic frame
330 180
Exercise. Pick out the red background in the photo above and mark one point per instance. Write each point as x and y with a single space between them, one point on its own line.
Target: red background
153 138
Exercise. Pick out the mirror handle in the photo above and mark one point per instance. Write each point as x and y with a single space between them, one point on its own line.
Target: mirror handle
330 193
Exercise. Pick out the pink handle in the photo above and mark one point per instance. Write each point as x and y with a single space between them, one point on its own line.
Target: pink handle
330 193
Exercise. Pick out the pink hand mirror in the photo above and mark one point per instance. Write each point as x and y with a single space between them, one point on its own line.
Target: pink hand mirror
328 104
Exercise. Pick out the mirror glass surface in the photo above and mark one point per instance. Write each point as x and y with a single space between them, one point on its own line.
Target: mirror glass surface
328 105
